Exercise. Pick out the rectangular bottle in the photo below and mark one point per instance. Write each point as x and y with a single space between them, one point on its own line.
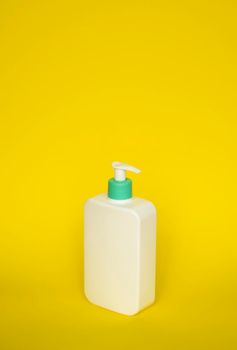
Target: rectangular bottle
120 247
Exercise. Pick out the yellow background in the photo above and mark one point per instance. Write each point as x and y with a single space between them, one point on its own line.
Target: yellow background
152 83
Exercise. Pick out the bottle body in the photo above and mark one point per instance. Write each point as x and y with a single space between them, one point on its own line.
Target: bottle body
120 253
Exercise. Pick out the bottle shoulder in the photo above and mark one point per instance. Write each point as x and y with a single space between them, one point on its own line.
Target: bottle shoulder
138 206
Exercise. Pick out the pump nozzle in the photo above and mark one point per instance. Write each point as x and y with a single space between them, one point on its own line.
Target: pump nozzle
120 170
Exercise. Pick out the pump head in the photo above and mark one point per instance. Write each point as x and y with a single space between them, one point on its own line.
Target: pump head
120 170
120 187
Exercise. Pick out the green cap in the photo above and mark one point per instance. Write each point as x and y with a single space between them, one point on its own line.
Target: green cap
120 187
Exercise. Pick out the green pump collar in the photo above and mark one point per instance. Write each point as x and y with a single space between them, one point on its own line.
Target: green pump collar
120 189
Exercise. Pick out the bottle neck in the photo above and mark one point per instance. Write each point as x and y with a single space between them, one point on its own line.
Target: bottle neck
120 201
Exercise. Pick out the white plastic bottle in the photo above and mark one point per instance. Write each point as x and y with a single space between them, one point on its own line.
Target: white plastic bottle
120 247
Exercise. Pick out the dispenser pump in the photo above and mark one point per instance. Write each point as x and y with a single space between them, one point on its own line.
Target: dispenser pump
120 187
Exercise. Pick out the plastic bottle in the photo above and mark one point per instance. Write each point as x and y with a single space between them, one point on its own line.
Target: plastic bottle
120 247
